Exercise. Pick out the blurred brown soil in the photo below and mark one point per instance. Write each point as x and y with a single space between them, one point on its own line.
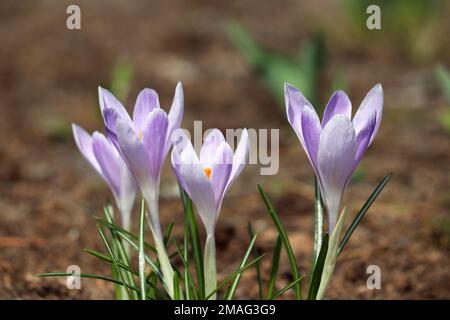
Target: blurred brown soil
48 193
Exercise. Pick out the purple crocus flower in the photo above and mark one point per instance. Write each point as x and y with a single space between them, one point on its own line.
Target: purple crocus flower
336 145
104 158
143 140
206 178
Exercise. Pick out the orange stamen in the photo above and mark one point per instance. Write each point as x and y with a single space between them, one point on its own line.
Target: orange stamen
208 172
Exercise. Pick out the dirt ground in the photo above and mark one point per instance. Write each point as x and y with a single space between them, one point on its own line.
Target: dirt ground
48 193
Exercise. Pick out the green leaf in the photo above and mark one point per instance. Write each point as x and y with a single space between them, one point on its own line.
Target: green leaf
230 292
289 286
86 275
256 253
190 282
195 241
285 239
235 274
123 232
331 256
142 252
176 287
274 270
318 269
363 211
318 221
111 253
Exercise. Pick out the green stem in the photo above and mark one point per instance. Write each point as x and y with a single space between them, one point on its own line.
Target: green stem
210 267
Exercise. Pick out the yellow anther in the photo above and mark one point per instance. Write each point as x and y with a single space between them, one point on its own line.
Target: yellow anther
140 136
208 172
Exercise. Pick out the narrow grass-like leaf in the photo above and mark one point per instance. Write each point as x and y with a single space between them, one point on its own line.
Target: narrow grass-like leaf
232 289
318 269
318 221
331 256
285 239
363 211
195 241
275 264
142 252
123 232
86 275
111 253
256 253
168 234
235 274
289 286
176 286
187 270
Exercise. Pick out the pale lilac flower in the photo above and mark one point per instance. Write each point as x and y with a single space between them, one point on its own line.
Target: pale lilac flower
206 178
336 145
143 140
104 158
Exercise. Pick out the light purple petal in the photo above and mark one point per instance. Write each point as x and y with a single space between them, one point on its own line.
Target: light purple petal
337 149
311 130
108 158
194 181
295 102
154 137
107 100
339 104
175 114
371 105
220 171
240 157
210 146
146 101
84 144
362 141
135 154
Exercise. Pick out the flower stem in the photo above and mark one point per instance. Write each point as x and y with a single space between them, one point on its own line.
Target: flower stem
210 266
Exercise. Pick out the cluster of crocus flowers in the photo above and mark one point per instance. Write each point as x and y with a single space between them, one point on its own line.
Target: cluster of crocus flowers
206 179
336 145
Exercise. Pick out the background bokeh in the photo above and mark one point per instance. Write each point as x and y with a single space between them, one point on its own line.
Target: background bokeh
49 77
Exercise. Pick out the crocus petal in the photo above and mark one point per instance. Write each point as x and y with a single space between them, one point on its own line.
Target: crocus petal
107 100
337 149
220 171
240 157
135 154
371 105
175 114
84 144
311 130
146 101
363 140
194 180
154 137
295 102
339 104
107 157
212 142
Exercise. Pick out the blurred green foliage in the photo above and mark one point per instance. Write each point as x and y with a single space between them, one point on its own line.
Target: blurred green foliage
414 24
275 68
443 77
121 79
